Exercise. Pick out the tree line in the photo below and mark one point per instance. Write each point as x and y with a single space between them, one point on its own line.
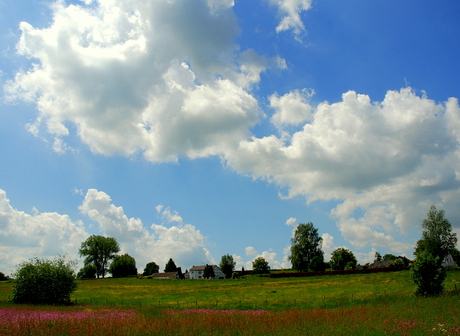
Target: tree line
52 281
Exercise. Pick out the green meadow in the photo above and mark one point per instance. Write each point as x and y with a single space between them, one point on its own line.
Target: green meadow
366 304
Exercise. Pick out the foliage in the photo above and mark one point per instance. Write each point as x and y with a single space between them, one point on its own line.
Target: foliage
208 272
170 266
151 268
87 272
98 251
427 274
41 281
305 245
317 263
227 265
389 256
437 237
123 266
378 256
342 258
3 277
260 266
397 263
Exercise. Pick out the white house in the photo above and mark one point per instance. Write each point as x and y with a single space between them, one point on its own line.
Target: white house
449 261
196 272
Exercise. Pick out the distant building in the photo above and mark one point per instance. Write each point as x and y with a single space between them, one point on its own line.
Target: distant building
449 261
196 272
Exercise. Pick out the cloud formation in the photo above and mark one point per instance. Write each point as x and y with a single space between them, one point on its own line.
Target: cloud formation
387 160
162 78
182 242
23 236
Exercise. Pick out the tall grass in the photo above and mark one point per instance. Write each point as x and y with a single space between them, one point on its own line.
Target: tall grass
413 316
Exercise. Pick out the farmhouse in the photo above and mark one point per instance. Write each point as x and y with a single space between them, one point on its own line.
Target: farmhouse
167 275
196 272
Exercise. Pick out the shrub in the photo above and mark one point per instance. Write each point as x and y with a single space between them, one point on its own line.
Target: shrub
41 281
397 263
428 275
123 266
317 264
87 272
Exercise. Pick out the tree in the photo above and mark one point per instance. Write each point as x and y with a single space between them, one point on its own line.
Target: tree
227 265
456 256
377 257
98 251
42 281
260 266
3 277
123 266
151 268
305 245
208 272
427 275
170 266
87 272
317 264
342 258
437 237
389 257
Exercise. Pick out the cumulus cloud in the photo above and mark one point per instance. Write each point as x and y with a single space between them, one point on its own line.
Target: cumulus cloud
290 11
386 161
292 108
23 236
182 242
162 78
250 251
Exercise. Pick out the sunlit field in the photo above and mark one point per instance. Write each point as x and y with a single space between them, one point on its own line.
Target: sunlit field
372 304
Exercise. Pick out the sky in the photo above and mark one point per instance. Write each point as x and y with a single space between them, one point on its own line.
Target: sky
192 129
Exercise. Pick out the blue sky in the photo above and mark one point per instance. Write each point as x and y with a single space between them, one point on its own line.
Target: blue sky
194 129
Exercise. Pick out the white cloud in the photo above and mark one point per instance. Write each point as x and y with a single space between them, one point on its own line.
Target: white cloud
163 78
250 251
292 222
386 162
182 242
290 11
292 108
44 235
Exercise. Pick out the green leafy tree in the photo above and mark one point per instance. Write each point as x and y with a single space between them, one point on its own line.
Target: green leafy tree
427 275
42 281
227 265
3 277
87 272
305 245
170 266
123 266
437 237
456 256
260 266
99 251
342 258
389 257
317 264
208 272
151 268
378 256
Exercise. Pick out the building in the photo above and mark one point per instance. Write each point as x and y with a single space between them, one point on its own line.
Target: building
196 272
167 275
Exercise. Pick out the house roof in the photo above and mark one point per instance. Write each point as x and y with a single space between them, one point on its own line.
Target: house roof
164 275
200 268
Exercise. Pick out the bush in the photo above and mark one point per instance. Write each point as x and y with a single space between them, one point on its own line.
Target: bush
428 275
41 281
397 263
123 266
87 272
317 264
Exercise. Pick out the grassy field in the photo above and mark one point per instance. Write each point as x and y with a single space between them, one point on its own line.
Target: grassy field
372 304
